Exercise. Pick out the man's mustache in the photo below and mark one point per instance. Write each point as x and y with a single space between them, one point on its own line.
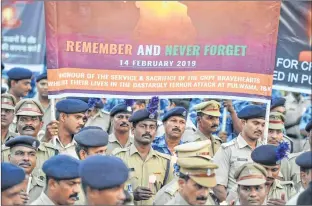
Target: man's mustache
124 124
202 198
147 134
25 163
75 196
176 129
215 125
28 127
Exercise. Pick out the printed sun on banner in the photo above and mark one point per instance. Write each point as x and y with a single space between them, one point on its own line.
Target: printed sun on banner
172 48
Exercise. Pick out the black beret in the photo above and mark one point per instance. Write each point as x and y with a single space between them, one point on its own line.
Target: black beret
309 126
141 115
305 160
19 73
120 108
26 141
176 111
270 155
41 77
251 112
11 175
92 137
61 167
277 102
101 172
72 106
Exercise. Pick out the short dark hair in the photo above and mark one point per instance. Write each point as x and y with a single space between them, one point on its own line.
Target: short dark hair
181 103
10 81
79 147
140 101
305 170
183 176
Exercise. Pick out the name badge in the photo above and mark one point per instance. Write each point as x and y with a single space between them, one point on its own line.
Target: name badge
242 159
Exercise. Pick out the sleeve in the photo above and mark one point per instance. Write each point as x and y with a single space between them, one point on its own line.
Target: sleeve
222 159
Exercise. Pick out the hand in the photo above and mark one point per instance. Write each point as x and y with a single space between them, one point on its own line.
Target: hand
281 201
142 193
23 198
51 130
228 104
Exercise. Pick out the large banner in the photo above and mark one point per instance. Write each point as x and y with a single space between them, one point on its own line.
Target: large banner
294 55
23 34
167 48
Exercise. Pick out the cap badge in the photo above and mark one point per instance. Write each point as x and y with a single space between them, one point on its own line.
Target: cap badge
129 109
184 113
34 144
151 116
209 172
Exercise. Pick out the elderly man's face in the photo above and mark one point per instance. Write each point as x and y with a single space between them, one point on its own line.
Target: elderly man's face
251 195
23 157
192 192
29 125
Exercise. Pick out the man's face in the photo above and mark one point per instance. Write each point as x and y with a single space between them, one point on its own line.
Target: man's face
92 151
66 191
21 87
7 116
253 128
193 193
42 87
251 195
121 122
175 127
113 196
208 124
12 196
272 173
144 132
275 136
137 107
24 157
29 125
280 109
73 122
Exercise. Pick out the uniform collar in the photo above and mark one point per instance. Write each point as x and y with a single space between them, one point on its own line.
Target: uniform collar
98 114
134 150
112 138
73 142
242 142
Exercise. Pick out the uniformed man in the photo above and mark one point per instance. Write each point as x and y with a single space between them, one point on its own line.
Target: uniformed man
121 136
294 168
278 105
196 177
235 153
108 188
192 149
8 103
149 169
190 128
63 181
305 197
91 140
304 161
270 156
71 120
29 122
19 82
97 116
174 122
250 178
23 151
12 178
276 128
42 97
208 114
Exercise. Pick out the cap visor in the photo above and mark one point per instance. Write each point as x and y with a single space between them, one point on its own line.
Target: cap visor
251 182
276 126
205 181
29 113
214 114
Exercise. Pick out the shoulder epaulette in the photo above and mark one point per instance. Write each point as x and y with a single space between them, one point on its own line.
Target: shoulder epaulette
227 144
163 155
120 150
48 145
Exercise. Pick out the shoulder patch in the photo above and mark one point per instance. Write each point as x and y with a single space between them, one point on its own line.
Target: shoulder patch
39 182
172 189
163 155
287 183
227 144
120 150
217 138
105 112
288 138
48 145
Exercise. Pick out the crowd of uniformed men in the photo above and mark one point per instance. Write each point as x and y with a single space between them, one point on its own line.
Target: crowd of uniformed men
131 155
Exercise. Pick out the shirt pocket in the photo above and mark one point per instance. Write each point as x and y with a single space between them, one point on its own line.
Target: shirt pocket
133 182
238 161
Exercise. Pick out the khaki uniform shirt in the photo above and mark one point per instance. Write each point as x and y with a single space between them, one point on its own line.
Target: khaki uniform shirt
229 157
8 136
155 164
36 188
177 200
113 143
100 119
43 199
44 152
69 149
280 187
215 141
171 190
294 199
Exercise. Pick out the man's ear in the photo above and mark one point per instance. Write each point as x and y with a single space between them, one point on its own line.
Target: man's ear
9 156
62 117
181 183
